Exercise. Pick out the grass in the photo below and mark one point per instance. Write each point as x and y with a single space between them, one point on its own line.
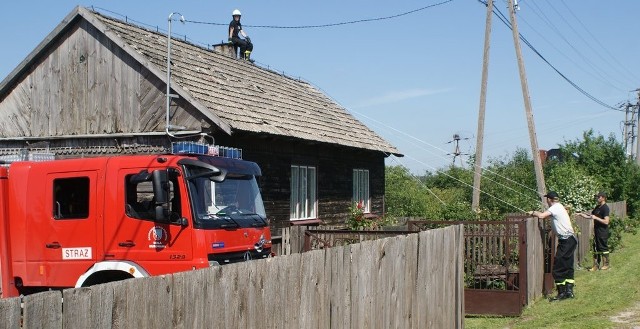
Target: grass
600 296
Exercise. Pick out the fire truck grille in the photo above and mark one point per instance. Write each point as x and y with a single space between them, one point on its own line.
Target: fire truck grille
241 256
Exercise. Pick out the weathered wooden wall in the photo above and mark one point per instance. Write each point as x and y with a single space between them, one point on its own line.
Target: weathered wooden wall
413 281
334 167
618 208
585 233
85 84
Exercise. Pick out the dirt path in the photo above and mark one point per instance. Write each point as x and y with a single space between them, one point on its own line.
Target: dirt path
629 318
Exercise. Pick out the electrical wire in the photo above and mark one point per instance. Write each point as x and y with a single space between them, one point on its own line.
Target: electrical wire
331 24
484 169
597 75
395 159
469 185
630 76
505 21
604 76
433 146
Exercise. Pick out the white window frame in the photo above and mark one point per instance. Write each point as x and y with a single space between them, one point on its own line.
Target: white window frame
361 190
304 197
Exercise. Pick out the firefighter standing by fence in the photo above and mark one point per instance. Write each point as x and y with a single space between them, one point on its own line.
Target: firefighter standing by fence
600 216
567 242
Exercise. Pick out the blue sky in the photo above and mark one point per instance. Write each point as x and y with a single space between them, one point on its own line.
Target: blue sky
414 79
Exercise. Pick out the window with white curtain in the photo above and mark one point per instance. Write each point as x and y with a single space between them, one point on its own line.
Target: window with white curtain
304 202
361 188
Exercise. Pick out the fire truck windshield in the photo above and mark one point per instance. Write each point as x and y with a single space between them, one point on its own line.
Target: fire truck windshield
233 203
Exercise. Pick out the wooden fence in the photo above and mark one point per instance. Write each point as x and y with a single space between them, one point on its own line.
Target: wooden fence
409 281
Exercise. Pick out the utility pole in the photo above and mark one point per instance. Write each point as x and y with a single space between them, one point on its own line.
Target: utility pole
629 133
537 162
637 110
625 136
456 149
477 166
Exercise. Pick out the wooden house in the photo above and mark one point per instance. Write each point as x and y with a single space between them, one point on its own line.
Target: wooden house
97 85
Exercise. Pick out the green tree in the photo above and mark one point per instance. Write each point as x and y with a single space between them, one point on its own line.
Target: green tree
600 157
509 184
404 195
605 160
575 186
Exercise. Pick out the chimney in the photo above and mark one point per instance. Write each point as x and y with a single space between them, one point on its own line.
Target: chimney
225 49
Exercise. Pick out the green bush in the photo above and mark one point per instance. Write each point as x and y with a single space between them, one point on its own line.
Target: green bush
618 226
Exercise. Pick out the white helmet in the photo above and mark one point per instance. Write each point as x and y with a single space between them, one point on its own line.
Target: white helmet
236 13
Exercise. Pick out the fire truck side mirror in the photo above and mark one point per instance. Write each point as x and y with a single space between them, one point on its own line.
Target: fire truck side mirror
161 193
160 186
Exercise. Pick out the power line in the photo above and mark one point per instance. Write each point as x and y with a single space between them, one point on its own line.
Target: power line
601 73
629 76
505 21
398 132
330 24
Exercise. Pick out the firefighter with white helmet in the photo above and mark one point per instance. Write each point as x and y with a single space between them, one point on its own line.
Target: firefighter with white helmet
235 34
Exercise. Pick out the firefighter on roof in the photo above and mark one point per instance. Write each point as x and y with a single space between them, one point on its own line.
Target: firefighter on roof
235 32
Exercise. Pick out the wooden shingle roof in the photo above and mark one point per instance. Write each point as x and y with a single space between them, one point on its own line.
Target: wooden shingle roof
249 97
241 96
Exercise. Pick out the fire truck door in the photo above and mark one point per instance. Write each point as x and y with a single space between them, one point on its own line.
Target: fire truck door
62 229
131 232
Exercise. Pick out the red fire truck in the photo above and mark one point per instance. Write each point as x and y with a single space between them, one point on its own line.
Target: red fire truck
85 221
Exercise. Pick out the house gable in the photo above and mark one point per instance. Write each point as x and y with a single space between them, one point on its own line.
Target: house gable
85 82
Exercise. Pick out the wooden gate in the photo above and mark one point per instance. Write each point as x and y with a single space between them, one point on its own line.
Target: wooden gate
495 264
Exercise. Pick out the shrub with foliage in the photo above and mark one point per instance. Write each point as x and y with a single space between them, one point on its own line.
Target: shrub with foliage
357 219
575 187
617 226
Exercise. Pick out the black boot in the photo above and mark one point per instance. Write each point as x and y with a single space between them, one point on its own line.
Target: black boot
561 292
569 291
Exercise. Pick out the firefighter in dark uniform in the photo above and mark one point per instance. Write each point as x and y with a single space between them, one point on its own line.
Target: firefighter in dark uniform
600 216
235 32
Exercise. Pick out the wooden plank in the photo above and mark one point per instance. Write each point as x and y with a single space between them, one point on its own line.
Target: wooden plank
82 78
358 286
92 109
498 302
388 301
312 297
339 286
77 310
275 304
216 297
407 293
235 282
292 293
257 302
131 312
189 294
380 286
102 305
64 75
157 292
453 277
43 310
10 311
